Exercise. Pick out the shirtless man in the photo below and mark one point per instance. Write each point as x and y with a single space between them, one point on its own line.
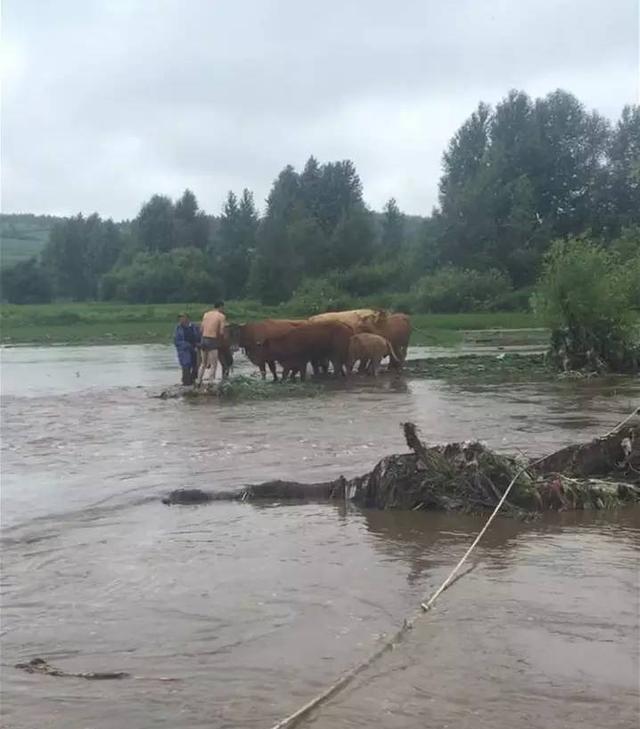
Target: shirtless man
212 330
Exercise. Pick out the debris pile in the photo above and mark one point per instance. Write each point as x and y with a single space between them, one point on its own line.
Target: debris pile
469 477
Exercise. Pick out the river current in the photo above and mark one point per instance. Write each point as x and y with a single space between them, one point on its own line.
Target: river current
251 610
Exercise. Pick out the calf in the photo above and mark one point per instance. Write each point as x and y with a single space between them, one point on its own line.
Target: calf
370 349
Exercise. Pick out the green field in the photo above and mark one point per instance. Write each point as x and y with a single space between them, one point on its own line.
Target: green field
22 237
103 323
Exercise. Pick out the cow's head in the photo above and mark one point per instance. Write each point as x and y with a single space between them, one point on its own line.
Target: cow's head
374 321
236 334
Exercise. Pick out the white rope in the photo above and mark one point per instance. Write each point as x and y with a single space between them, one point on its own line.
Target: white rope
346 678
619 425
427 605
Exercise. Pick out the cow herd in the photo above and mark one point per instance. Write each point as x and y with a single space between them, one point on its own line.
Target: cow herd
336 339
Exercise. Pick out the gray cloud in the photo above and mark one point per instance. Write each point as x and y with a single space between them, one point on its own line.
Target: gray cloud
106 102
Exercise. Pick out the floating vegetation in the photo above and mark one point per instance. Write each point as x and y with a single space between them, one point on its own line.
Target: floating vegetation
484 369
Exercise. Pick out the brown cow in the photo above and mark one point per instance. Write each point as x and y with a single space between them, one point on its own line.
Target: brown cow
225 356
360 320
310 342
251 338
397 329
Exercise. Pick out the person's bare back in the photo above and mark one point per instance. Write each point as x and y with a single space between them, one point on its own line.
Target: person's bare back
213 324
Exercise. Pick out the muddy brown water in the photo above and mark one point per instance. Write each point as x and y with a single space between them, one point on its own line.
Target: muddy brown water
254 609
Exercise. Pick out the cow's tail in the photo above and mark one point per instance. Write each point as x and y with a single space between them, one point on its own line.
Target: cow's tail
393 356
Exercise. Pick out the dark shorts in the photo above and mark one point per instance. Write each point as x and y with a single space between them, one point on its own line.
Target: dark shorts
209 344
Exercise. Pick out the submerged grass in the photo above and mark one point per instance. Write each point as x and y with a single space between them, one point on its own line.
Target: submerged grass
244 388
106 323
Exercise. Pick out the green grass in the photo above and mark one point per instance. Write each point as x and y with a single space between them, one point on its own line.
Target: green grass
449 329
106 323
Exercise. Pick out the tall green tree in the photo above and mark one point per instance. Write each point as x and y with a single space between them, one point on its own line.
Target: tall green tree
315 222
464 190
277 269
351 242
339 193
236 242
154 224
191 228
65 257
27 283
79 252
622 196
311 187
518 176
392 229
570 154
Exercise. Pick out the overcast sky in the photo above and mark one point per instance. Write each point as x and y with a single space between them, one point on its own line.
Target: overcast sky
106 102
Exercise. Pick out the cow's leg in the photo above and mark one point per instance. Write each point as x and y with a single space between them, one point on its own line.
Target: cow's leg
303 372
272 367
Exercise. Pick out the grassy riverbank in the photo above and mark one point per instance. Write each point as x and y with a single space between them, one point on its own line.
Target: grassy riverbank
102 323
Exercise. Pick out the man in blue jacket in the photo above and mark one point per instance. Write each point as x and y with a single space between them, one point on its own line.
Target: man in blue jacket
186 338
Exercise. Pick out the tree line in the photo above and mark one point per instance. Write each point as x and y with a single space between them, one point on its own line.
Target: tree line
515 178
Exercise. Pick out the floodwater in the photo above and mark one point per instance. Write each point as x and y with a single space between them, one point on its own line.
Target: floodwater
252 610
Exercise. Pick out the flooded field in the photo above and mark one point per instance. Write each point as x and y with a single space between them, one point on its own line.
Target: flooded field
252 610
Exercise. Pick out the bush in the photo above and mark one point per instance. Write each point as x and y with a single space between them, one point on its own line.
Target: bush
317 295
453 290
519 300
585 297
373 279
178 275
401 301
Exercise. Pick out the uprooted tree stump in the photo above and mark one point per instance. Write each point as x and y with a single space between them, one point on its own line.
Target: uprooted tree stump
470 477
